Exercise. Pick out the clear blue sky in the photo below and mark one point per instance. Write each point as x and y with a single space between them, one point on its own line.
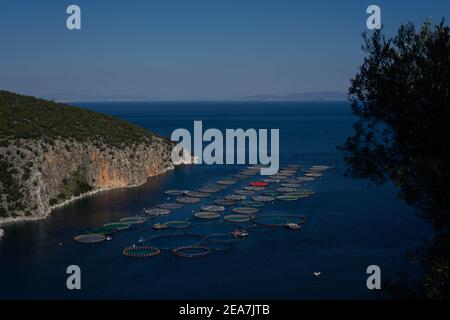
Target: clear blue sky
190 49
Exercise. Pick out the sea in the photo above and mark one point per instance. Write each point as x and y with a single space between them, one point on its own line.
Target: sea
350 226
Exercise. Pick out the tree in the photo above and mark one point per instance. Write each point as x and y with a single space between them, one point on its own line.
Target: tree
401 98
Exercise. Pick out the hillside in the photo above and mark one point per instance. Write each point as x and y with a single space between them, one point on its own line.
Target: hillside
51 153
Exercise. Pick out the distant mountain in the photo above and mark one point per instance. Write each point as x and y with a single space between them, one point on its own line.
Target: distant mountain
326 95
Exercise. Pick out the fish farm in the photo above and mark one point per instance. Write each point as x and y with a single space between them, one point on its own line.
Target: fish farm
221 214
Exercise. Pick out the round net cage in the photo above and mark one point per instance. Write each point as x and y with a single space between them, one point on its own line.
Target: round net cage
227 182
263 198
320 167
287 198
290 185
286 173
259 184
188 200
313 175
174 241
134 220
271 180
225 202
245 210
170 206
279 177
90 238
256 189
253 204
194 194
210 189
278 220
156 212
244 192
141 252
107 231
179 224
299 194
176 192
213 208
237 218
207 215
119 226
192 251
287 190
305 179
236 197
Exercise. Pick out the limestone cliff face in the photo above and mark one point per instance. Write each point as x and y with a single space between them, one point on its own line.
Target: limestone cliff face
44 175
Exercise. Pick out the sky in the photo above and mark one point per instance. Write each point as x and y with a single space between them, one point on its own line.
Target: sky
190 49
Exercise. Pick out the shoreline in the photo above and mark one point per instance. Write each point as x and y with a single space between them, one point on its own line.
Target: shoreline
11 220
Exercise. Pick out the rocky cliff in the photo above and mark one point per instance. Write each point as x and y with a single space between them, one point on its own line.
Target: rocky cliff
43 168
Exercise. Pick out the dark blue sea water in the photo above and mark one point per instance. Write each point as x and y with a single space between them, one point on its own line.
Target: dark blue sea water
350 226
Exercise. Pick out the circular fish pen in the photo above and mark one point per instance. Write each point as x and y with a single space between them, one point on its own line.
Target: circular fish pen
236 197
259 184
188 200
290 185
287 198
213 208
170 206
244 192
179 224
134 220
225 202
271 180
238 218
210 190
253 204
287 190
256 189
172 241
156 212
245 210
194 194
119 226
263 199
207 215
90 238
141 252
227 182
106 231
176 192
278 220
192 251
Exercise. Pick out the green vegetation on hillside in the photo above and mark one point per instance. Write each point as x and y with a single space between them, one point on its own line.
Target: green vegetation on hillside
25 117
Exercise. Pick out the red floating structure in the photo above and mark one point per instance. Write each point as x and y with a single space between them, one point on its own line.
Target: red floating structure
259 184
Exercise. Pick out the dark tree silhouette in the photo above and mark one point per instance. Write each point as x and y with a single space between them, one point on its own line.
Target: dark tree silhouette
401 97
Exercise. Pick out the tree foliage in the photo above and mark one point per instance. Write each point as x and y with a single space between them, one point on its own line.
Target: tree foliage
401 98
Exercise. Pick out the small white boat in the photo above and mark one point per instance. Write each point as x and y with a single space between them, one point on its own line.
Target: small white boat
240 233
293 226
